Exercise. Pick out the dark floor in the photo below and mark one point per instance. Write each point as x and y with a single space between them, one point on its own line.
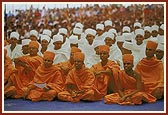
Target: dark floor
26 105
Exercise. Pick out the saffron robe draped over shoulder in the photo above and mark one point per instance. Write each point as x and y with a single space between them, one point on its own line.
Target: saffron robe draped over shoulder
83 80
26 77
53 79
103 80
152 73
128 84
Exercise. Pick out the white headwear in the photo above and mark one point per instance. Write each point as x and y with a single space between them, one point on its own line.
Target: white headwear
63 31
128 45
57 37
160 46
112 30
97 43
73 39
155 27
45 37
139 31
126 28
108 23
162 26
120 38
77 31
35 33
14 35
127 36
99 26
147 28
137 24
25 42
90 31
47 32
110 35
79 25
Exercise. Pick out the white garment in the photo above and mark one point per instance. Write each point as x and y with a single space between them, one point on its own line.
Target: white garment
17 51
116 55
93 59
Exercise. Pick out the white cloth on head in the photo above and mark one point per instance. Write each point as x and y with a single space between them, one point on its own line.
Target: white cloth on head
73 39
112 30
25 42
14 35
63 31
139 32
126 29
45 37
90 31
108 23
79 25
138 24
57 37
147 28
99 26
35 33
155 27
109 35
160 46
47 32
77 31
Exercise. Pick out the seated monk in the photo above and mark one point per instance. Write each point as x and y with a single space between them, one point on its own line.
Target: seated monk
47 81
68 65
106 72
79 83
152 71
130 86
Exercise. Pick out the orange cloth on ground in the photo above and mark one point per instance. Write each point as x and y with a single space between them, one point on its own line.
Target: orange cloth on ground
152 73
102 81
128 84
83 80
53 79
9 73
25 77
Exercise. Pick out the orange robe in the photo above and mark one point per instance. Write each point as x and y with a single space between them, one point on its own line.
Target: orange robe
9 73
128 84
103 81
67 66
53 79
25 77
83 80
152 73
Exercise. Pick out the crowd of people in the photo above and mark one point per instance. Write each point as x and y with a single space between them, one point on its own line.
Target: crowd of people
109 52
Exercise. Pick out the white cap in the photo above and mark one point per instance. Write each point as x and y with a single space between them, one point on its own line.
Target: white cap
55 22
137 24
73 39
35 33
90 31
99 26
77 31
57 37
127 36
126 28
97 43
63 31
79 25
120 38
47 32
139 32
160 46
64 21
45 37
25 42
112 30
14 35
147 28
108 23
110 35
162 27
155 27
128 45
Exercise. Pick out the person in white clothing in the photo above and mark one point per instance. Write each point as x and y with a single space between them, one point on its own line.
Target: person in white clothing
25 46
60 54
108 25
147 33
14 50
115 53
100 32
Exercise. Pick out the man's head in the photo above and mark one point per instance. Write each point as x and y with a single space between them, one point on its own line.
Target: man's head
128 60
48 58
78 60
104 52
151 48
